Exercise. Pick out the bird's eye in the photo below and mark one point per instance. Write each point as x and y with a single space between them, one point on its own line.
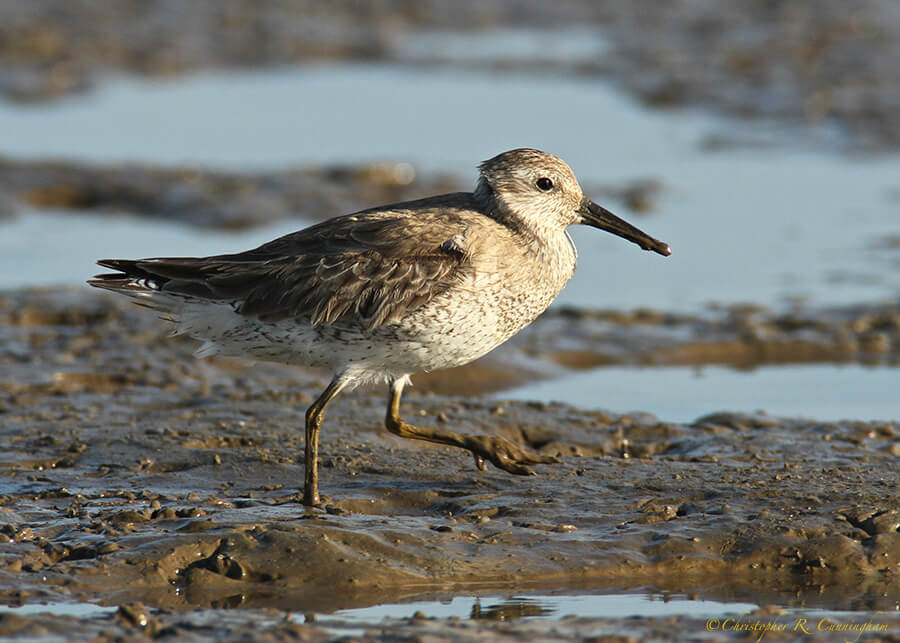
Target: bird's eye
544 184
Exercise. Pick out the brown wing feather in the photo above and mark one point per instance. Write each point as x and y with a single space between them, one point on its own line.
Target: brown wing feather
369 272
371 268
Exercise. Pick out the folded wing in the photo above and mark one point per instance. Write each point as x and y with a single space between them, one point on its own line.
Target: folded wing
368 269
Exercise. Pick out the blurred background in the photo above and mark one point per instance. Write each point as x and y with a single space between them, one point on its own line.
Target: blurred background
758 138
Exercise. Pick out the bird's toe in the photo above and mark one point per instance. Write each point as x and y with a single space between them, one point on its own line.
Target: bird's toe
506 455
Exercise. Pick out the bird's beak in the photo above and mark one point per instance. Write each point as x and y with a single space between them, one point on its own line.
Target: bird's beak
597 216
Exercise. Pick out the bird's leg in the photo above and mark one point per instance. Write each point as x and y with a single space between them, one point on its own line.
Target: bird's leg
314 416
500 452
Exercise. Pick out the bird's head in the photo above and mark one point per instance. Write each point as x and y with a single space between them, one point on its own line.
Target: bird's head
534 191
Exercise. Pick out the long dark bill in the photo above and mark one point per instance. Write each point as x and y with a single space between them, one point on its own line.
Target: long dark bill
597 216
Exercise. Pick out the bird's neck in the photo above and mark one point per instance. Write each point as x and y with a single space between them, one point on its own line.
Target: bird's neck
494 207
550 241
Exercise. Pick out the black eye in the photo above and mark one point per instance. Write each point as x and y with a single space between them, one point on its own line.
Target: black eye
544 184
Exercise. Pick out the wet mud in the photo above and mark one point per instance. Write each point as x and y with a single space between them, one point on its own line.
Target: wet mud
741 336
133 474
210 198
820 64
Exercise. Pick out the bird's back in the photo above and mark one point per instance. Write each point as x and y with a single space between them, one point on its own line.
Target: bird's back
370 268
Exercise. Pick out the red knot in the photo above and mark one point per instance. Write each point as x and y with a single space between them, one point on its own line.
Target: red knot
388 292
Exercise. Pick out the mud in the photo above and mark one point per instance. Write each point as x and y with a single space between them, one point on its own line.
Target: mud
135 474
209 198
820 64
743 336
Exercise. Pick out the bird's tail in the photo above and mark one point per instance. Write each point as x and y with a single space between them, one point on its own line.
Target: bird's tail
135 282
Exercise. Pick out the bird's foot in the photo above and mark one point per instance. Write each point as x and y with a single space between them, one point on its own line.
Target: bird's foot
311 498
505 455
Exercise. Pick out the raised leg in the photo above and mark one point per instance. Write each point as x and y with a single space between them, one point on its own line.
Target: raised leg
314 416
502 453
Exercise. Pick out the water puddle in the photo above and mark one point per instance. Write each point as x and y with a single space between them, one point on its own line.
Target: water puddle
826 392
610 615
547 606
488 607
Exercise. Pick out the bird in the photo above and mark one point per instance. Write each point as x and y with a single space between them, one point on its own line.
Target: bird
388 292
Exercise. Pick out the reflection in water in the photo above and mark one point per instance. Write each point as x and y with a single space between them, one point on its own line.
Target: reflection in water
511 609
544 607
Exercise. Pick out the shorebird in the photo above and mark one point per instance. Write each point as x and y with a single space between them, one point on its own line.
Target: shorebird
391 291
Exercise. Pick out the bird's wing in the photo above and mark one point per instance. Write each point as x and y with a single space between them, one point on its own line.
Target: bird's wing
371 269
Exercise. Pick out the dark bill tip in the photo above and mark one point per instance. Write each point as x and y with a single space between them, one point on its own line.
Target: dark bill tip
599 217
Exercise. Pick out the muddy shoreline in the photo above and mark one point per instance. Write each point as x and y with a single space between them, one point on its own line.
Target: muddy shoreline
134 473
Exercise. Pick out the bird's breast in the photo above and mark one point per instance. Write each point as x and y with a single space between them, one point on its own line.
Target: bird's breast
508 290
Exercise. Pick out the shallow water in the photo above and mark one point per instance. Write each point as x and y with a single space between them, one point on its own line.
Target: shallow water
491 606
827 392
761 225
549 606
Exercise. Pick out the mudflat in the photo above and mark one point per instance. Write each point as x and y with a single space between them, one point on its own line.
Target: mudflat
135 474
